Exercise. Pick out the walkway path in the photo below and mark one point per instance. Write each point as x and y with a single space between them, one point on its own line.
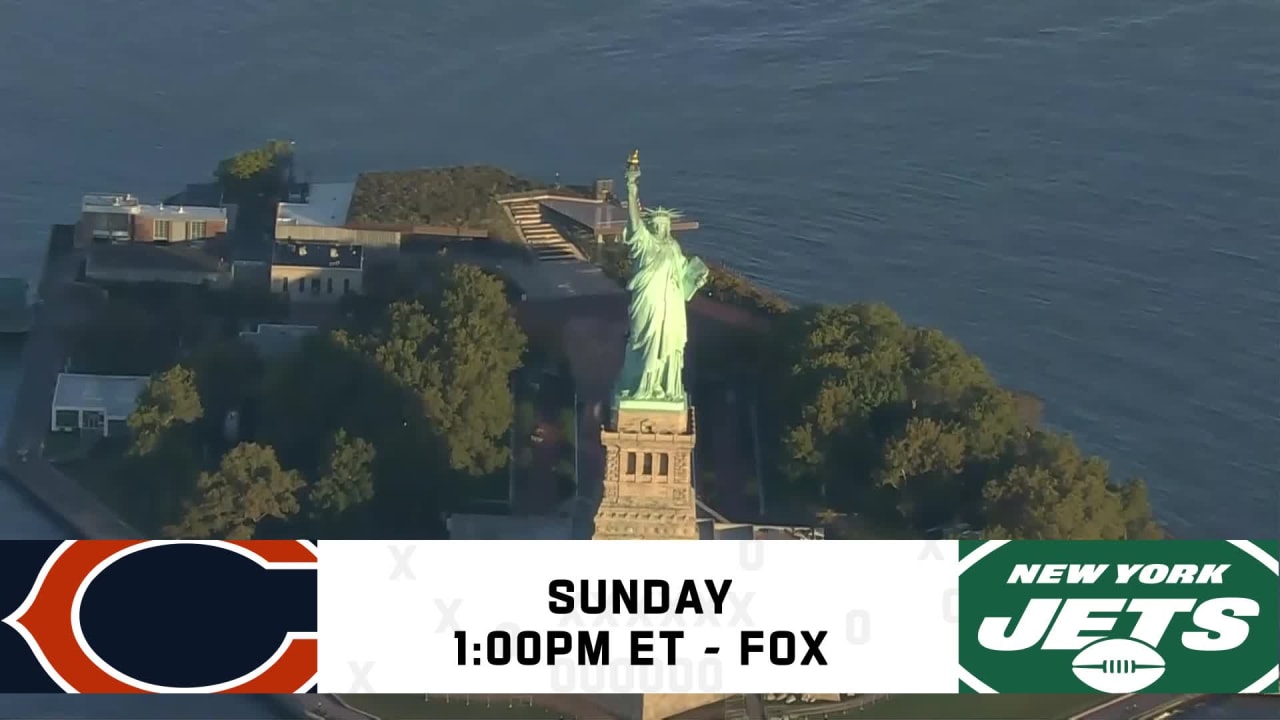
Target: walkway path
546 243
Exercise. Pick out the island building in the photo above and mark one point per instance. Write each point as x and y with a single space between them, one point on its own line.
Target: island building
94 403
130 241
120 217
317 213
307 271
194 238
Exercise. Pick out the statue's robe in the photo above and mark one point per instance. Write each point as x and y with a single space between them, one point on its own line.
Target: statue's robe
663 281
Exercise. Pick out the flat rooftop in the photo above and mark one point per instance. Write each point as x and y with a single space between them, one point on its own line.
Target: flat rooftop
318 255
599 215
184 212
115 394
327 205
127 204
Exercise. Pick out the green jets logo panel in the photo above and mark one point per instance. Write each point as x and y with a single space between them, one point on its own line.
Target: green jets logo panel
1176 616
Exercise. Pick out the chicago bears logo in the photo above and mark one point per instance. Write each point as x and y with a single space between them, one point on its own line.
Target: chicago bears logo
134 616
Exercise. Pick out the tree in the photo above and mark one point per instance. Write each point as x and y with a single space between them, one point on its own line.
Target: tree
903 426
254 163
347 478
456 349
257 172
1054 492
1139 525
248 487
330 384
168 399
841 370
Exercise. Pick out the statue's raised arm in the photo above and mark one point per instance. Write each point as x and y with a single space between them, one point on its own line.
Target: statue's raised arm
638 235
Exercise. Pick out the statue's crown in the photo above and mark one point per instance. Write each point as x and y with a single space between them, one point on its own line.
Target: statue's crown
661 212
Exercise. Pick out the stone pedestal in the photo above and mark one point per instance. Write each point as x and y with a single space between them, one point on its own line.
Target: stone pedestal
648 480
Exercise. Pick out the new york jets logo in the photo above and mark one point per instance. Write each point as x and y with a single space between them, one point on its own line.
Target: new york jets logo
1120 617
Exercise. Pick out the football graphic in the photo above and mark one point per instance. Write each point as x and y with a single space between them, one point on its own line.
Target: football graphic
1118 666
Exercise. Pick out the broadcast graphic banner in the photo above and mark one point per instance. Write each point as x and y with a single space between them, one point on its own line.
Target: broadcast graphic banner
532 617
674 616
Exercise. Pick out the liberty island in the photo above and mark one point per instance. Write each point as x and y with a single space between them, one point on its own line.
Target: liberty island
627 356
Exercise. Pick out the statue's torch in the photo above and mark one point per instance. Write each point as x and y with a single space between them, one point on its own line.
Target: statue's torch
633 162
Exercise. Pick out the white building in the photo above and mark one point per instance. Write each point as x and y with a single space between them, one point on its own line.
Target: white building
94 402
322 205
318 213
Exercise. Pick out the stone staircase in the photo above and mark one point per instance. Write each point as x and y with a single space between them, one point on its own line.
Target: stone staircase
547 244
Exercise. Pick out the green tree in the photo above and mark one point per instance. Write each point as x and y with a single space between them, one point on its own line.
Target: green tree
346 479
248 487
903 426
456 349
249 176
331 384
169 399
158 484
842 371
254 163
1139 524
1053 492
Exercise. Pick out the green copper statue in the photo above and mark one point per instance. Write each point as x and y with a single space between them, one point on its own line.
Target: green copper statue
663 279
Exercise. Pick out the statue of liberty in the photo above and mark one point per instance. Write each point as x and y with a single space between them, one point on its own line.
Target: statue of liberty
663 279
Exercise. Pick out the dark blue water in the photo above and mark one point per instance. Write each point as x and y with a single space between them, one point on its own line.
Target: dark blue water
1085 193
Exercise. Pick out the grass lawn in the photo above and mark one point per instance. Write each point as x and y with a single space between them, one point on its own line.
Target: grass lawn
414 707
975 707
